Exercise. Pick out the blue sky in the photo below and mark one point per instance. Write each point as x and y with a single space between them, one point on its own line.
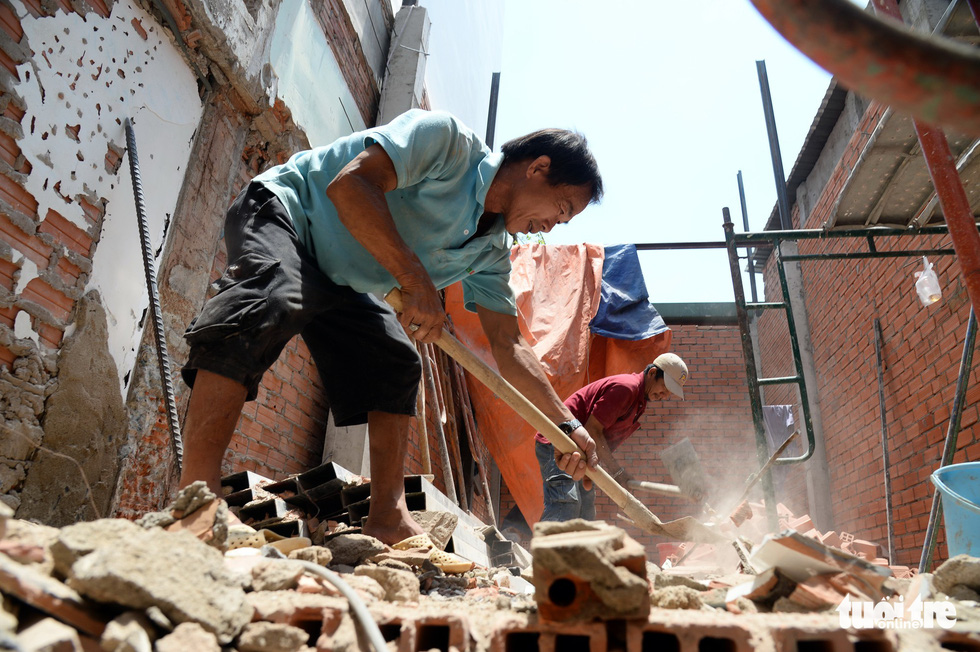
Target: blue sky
668 96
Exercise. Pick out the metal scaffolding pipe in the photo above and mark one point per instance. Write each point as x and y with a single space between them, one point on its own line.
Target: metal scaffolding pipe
952 434
752 374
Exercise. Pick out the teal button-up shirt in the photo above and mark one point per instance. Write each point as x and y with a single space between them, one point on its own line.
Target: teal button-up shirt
444 172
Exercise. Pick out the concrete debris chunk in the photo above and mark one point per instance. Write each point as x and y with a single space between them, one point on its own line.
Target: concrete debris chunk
150 568
190 499
276 575
314 554
353 549
290 607
676 597
76 541
8 621
130 632
49 635
6 513
186 637
158 618
394 563
399 585
271 637
960 570
31 537
588 569
411 558
440 525
368 588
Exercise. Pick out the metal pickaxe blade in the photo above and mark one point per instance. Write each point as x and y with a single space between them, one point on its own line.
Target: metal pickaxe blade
684 466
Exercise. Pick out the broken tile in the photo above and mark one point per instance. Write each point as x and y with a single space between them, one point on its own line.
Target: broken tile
188 636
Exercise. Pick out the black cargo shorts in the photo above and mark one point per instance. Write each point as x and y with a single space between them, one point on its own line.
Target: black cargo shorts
273 290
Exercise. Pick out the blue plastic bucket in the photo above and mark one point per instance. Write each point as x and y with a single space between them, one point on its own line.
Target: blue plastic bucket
959 485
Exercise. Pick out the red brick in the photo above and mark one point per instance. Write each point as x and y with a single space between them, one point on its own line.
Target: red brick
47 297
29 245
66 233
50 335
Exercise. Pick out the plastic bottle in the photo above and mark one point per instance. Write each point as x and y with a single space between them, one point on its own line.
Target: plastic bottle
927 284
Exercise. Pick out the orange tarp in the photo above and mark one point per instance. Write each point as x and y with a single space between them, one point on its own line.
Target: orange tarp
557 288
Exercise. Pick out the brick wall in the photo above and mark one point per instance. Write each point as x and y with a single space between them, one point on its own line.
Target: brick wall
44 262
921 351
278 434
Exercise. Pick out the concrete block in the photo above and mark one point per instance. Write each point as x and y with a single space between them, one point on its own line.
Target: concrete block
588 569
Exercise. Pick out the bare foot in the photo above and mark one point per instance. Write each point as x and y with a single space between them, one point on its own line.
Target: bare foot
396 527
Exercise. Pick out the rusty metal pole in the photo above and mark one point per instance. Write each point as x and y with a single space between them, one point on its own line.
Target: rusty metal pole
430 383
949 188
422 420
931 78
952 434
956 207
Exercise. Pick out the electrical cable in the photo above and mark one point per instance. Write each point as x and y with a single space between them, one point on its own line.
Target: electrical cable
357 605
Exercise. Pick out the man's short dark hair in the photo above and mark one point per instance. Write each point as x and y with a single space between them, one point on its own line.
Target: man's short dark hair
571 161
656 376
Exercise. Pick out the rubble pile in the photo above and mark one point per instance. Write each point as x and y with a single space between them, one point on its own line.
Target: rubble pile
167 582
328 500
171 582
751 525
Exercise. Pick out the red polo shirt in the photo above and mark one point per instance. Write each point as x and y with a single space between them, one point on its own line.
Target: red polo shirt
615 401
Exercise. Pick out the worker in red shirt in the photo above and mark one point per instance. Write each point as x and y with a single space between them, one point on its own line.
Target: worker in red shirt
610 408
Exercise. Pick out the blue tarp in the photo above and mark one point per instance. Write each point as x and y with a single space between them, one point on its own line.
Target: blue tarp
624 310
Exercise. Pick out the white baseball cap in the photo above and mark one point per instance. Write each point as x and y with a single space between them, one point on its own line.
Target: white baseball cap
675 372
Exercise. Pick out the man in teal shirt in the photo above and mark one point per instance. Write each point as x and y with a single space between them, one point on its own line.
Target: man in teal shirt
417 204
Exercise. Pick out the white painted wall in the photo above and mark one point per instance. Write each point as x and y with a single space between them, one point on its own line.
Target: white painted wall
98 73
310 81
465 49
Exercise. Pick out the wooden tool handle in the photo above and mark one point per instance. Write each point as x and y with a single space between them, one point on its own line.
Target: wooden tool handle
659 488
632 507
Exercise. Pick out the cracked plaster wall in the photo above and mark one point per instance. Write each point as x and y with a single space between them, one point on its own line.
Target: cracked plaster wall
88 75
81 77
84 419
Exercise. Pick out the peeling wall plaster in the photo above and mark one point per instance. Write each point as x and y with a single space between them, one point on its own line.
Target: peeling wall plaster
22 322
89 74
310 81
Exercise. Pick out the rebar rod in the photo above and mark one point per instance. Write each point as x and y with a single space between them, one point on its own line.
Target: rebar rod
156 312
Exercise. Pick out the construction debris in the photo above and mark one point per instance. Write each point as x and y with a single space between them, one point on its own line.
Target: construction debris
587 569
162 584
